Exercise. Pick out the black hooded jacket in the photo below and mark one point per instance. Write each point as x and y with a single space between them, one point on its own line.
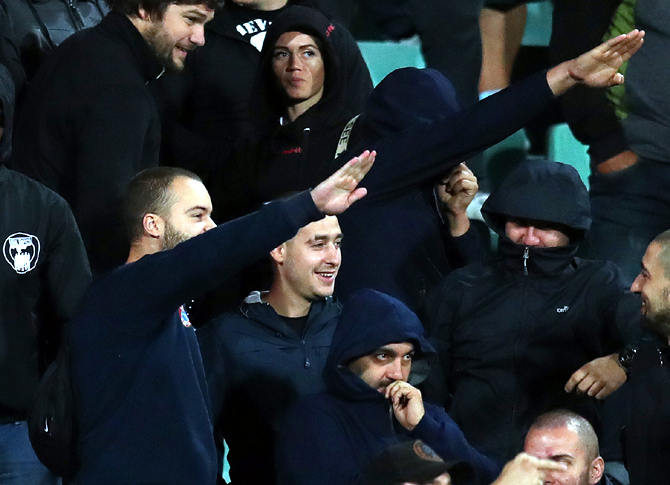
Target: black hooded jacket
330 438
43 274
511 333
287 157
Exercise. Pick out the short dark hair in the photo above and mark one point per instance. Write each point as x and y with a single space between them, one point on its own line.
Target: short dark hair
149 193
663 240
155 8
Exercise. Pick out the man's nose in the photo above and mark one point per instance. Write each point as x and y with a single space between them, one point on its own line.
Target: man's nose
333 255
636 287
530 237
395 370
210 224
198 35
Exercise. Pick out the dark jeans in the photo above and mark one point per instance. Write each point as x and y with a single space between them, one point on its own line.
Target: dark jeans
18 463
630 208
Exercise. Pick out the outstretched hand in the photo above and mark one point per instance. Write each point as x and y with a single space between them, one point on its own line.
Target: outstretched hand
597 68
336 194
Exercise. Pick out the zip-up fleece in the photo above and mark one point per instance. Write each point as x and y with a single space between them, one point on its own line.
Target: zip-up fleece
329 438
257 367
510 333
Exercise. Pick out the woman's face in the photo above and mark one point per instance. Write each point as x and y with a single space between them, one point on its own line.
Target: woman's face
298 66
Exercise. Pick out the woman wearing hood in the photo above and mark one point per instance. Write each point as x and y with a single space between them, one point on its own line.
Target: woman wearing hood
302 100
395 239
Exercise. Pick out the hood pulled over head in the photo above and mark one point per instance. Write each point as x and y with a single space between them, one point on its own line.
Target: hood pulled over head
409 96
541 190
369 320
295 19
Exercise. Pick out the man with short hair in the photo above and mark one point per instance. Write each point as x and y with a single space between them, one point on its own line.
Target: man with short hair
516 333
138 381
647 434
378 349
89 122
276 345
566 437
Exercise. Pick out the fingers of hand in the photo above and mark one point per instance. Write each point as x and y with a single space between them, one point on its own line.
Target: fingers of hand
575 379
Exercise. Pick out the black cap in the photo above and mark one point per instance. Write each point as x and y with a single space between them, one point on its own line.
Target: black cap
414 461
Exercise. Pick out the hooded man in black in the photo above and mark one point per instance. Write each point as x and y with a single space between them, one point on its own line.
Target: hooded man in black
89 122
513 332
43 275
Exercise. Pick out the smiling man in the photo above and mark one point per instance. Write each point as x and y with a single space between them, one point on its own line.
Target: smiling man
89 122
276 345
647 435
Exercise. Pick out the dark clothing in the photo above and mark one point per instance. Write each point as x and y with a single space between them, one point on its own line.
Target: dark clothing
89 124
257 367
140 387
395 240
38 27
215 97
647 436
413 120
511 332
576 28
43 275
330 438
291 156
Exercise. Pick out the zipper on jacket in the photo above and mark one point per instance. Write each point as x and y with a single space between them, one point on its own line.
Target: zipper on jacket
303 145
307 364
525 261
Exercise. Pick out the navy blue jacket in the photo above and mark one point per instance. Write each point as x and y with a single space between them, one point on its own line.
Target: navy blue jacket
250 355
138 379
329 438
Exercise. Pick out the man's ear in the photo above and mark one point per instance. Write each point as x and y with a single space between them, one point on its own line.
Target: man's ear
278 253
597 470
153 225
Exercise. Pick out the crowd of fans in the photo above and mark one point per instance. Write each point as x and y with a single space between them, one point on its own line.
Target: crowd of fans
241 245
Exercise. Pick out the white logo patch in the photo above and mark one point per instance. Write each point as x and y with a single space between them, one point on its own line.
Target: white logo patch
563 310
21 252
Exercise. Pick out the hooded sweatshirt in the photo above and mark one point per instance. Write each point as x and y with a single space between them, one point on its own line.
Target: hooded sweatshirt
249 355
291 156
510 333
43 274
329 438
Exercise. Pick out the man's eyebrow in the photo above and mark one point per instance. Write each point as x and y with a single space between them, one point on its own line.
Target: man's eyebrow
325 237
562 457
196 12
198 208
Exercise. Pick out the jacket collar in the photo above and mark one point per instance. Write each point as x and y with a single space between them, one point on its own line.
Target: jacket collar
120 26
320 314
534 261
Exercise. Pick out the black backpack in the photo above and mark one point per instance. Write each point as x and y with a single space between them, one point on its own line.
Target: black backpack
52 425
